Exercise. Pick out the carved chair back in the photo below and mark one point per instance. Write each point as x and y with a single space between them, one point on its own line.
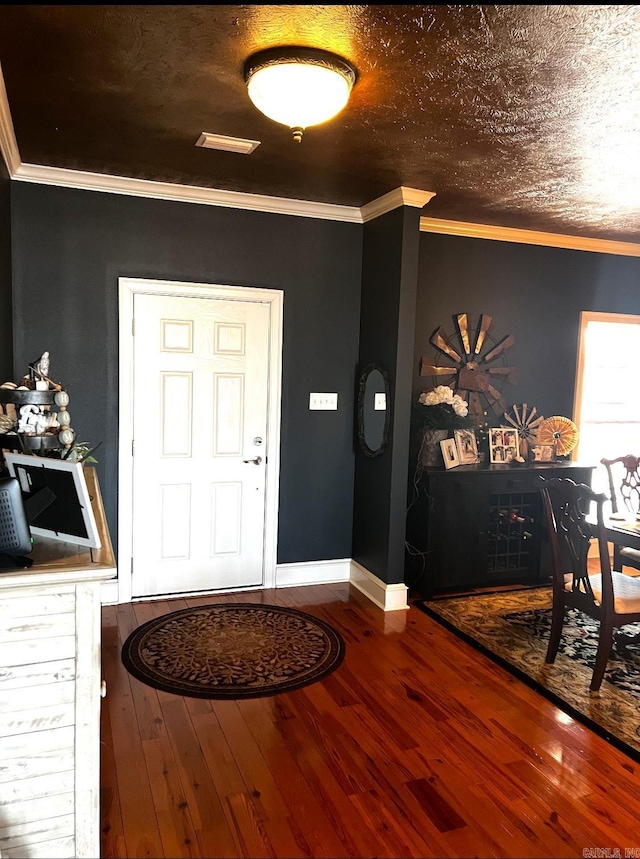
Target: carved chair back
623 473
574 518
611 597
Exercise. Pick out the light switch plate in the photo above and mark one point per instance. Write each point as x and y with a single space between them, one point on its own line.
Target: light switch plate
380 402
323 402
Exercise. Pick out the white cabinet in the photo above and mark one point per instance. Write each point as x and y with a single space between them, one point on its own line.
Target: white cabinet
50 683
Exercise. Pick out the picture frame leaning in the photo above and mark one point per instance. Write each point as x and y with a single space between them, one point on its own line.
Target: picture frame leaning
467 446
449 453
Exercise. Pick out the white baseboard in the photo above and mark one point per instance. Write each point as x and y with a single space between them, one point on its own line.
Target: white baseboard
287 576
312 573
387 597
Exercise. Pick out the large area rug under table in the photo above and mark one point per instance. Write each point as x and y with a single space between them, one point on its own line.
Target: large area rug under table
513 629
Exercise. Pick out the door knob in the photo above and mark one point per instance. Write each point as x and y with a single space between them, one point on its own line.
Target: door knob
256 460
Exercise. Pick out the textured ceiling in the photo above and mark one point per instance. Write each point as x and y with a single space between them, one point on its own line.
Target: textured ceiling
517 116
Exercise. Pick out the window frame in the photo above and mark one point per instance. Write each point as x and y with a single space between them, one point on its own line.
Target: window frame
587 317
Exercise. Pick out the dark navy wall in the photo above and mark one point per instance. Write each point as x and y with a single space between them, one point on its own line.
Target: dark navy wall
534 293
71 246
6 349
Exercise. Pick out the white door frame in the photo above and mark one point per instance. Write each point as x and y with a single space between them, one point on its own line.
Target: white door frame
127 288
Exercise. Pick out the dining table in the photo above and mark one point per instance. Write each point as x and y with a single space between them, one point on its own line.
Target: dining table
623 532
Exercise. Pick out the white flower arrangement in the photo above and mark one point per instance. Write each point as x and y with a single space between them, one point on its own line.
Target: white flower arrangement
442 409
444 394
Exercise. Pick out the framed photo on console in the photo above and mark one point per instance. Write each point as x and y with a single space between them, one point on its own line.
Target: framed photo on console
542 452
503 445
449 453
467 446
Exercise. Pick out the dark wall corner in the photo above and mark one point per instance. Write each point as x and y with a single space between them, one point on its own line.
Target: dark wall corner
6 286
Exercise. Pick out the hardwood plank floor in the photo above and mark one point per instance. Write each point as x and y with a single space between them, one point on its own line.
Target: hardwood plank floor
417 746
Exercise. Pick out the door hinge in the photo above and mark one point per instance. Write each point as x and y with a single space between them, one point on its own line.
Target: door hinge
133 327
132 446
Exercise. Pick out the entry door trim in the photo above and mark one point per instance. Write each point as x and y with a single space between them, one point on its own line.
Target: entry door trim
127 289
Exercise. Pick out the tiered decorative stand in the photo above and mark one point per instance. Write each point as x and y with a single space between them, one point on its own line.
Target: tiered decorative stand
11 402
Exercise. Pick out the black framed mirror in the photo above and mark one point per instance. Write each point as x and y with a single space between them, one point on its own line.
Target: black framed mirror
373 410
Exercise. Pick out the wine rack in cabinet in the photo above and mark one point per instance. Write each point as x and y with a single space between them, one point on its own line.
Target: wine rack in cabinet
480 527
514 531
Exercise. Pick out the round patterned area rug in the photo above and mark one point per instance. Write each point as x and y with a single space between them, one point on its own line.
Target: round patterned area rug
232 650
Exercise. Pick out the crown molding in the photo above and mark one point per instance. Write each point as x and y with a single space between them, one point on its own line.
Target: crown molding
398 197
528 237
186 193
87 181
402 196
8 143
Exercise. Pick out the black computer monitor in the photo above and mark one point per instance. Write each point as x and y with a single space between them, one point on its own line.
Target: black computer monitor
15 534
56 498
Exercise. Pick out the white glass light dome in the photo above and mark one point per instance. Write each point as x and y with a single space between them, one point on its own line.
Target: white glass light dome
299 87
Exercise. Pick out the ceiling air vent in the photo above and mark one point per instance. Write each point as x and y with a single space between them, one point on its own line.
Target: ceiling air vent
227 144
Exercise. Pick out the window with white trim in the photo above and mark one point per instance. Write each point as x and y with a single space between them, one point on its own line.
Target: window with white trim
608 390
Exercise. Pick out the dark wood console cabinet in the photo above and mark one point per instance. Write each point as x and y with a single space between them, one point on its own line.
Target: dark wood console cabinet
480 526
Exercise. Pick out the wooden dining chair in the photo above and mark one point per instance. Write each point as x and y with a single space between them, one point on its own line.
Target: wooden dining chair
623 473
609 597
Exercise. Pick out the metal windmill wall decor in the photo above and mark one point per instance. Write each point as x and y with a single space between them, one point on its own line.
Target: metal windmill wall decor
475 362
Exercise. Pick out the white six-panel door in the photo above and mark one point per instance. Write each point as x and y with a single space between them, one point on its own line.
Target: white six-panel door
199 410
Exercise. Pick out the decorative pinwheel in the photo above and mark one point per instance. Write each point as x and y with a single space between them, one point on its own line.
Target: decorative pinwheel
526 423
559 431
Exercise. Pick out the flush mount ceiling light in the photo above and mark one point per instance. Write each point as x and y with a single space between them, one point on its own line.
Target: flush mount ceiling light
298 87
